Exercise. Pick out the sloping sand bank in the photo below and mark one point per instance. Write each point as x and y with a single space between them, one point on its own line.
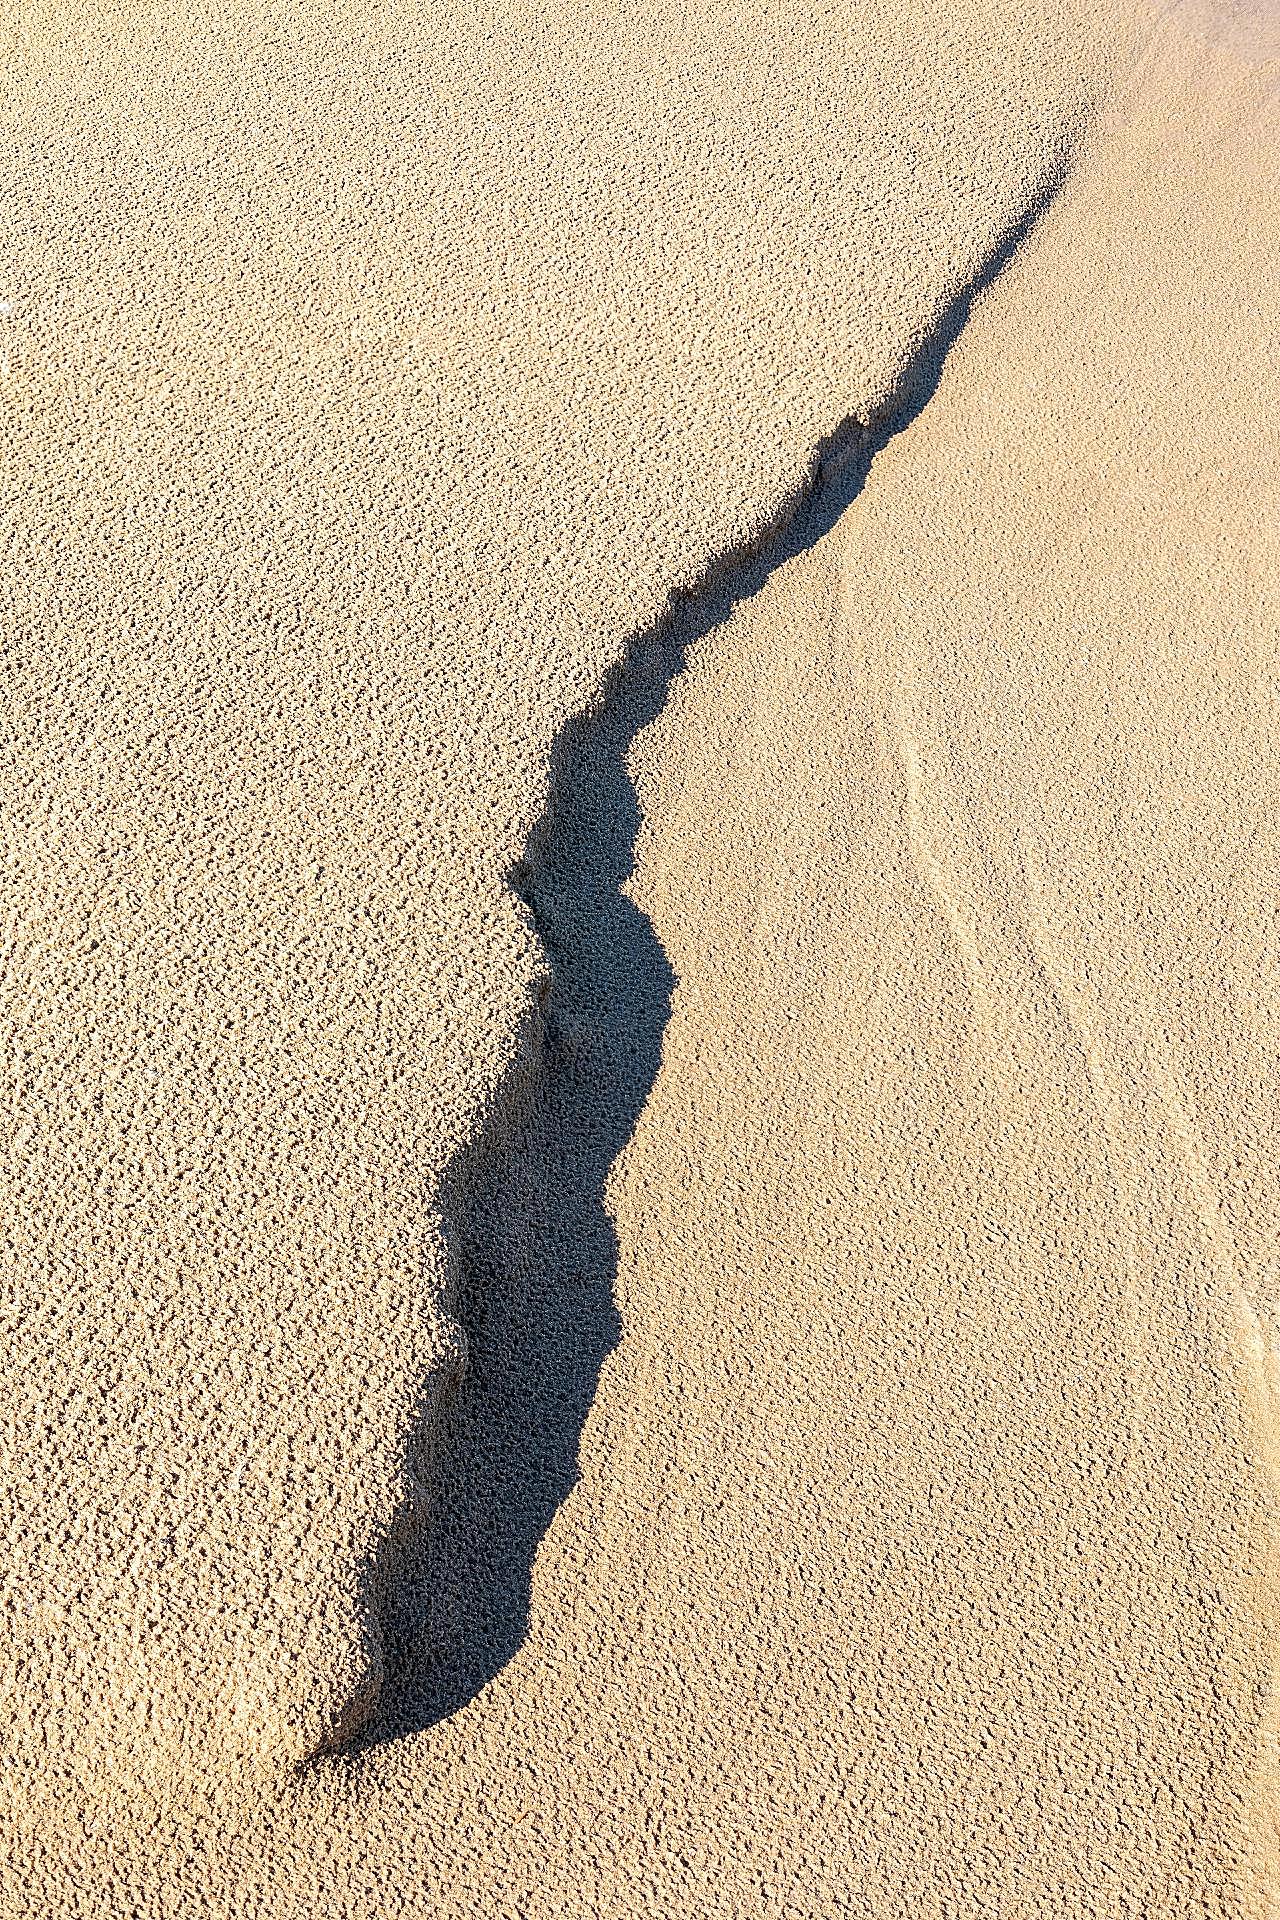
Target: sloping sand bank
862 1497
374 370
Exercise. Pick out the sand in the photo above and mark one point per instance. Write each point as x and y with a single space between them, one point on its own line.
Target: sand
733 1373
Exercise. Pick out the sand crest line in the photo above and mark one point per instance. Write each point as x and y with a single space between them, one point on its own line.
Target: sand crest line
424 1677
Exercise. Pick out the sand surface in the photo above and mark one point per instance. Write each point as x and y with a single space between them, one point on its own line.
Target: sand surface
846 1152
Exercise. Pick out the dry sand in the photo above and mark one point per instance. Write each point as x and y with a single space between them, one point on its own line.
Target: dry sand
860 1496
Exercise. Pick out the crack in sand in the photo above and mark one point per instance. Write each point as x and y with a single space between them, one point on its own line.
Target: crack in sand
524 1205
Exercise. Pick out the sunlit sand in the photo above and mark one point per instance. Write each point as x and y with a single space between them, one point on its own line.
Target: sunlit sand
640 869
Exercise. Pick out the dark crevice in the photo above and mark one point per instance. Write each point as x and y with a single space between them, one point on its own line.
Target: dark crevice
533 1242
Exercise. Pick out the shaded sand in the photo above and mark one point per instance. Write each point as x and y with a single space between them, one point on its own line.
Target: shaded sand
861 1498
372 372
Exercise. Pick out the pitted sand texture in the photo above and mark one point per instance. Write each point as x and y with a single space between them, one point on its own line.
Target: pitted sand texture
373 372
847 1149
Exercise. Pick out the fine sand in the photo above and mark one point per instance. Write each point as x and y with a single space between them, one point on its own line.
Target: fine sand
659 1223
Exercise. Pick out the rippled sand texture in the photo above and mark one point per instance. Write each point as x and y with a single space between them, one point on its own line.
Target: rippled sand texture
861 1496
973 1220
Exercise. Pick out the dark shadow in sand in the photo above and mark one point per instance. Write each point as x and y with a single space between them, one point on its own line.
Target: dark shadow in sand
533 1237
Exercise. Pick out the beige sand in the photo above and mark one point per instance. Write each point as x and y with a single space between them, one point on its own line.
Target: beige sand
372 377
878 1222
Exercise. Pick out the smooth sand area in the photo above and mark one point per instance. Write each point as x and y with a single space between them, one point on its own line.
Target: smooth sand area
861 1497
